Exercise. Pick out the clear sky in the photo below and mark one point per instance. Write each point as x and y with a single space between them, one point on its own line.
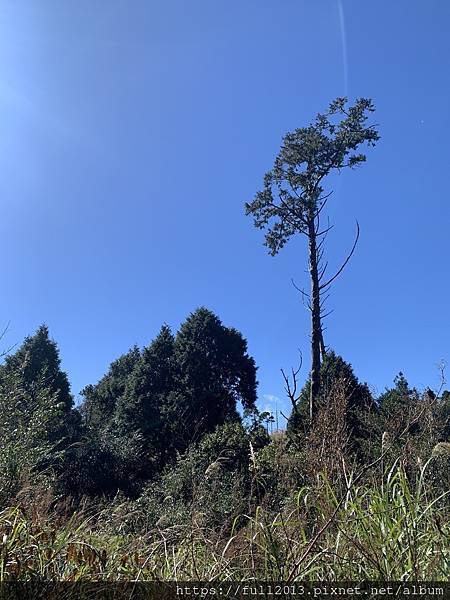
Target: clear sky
133 131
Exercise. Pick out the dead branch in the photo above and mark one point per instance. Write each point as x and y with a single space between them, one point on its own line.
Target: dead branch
291 385
324 285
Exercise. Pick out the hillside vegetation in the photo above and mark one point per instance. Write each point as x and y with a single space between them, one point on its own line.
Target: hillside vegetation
167 470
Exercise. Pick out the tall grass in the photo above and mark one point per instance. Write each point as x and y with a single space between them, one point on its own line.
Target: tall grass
393 530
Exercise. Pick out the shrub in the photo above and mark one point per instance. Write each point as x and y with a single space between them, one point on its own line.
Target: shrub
27 457
208 484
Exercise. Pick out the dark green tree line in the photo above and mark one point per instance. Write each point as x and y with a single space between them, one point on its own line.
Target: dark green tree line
152 405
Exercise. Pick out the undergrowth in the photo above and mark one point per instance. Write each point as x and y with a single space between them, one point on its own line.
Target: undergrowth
390 530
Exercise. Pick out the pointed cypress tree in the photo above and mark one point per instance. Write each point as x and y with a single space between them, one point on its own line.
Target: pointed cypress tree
37 360
36 366
359 400
138 425
215 371
398 397
100 400
152 378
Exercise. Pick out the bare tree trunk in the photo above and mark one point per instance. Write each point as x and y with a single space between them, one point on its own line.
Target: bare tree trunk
323 349
316 327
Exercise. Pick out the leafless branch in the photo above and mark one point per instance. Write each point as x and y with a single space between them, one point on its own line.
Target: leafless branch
306 298
327 314
323 271
325 231
5 352
291 385
324 285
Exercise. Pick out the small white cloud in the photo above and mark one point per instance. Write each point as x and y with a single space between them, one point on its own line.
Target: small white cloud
275 406
271 403
271 399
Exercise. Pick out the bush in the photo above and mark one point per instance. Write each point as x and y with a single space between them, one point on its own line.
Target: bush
439 466
276 470
393 530
27 457
207 485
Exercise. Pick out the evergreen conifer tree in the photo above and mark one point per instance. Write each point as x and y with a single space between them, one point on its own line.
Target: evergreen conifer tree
138 425
215 373
360 403
293 198
398 397
100 400
36 367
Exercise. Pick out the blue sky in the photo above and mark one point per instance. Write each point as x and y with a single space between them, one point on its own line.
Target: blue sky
132 133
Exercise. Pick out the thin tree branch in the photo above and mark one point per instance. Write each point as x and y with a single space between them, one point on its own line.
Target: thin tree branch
302 292
324 285
291 388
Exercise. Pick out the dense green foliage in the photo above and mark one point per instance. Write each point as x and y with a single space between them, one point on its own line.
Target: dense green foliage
150 407
333 369
36 368
100 400
26 424
293 188
159 452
